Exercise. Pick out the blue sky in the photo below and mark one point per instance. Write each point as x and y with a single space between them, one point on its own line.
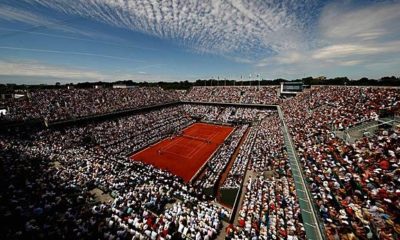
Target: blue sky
43 41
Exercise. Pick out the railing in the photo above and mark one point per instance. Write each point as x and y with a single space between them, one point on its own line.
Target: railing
312 224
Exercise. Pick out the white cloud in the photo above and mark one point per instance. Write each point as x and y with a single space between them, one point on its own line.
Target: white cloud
279 36
69 53
351 50
354 34
233 28
40 23
39 72
241 59
284 58
35 69
12 14
349 39
341 21
350 62
289 58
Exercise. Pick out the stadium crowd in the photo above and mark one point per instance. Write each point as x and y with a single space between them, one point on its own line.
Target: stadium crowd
48 177
129 134
225 114
237 172
217 164
263 149
234 94
58 203
206 112
270 209
63 104
355 186
54 105
343 107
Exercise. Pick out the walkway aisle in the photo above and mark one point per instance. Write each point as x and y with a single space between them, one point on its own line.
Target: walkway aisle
249 173
310 216
224 175
222 234
235 218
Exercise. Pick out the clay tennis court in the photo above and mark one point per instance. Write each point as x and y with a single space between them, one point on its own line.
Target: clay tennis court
183 155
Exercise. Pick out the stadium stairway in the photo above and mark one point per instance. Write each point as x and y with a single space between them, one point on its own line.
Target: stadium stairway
311 220
390 120
365 128
224 175
352 134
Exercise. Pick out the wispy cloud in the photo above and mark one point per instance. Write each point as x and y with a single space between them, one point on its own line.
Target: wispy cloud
348 39
66 25
12 14
279 38
92 40
36 69
343 21
70 53
349 32
232 28
34 72
356 49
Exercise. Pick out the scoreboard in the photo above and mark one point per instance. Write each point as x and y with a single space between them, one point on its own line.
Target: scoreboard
292 87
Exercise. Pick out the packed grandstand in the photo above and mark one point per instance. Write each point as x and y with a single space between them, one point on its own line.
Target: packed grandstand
321 164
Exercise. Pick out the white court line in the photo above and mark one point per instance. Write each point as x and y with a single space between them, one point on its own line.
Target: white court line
172 143
209 139
156 143
176 154
196 149
191 153
148 147
181 155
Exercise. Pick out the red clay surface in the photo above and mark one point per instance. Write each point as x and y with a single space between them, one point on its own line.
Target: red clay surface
184 155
